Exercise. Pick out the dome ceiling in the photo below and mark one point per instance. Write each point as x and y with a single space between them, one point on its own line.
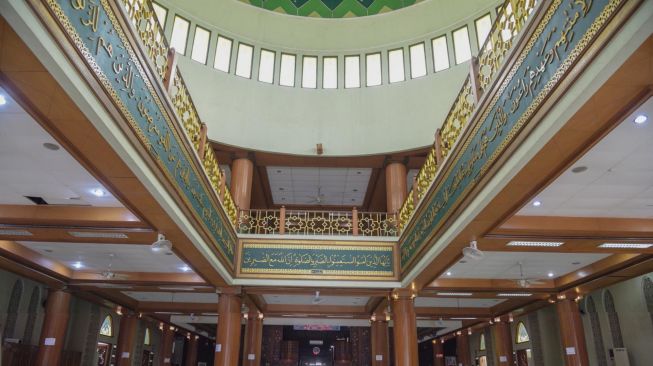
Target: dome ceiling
331 8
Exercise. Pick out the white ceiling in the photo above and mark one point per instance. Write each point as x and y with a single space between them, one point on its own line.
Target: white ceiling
29 169
299 185
308 300
617 183
205 298
503 265
453 302
96 257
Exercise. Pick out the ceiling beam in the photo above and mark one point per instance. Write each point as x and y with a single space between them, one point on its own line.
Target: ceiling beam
487 285
70 216
138 278
176 307
575 227
259 290
18 253
292 309
453 312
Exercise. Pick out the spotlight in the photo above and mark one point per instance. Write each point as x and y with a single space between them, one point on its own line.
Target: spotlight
98 192
639 119
185 268
537 203
3 100
78 265
161 244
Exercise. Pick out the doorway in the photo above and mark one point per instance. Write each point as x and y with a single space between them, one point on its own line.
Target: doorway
105 354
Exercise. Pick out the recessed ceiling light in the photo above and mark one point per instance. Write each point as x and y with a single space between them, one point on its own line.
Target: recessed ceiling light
184 268
515 294
78 265
98 192
51 146
463 318
454 294
579 169
448 273
97 234
537 203
626 245
518 243
3 100
550 274
640 119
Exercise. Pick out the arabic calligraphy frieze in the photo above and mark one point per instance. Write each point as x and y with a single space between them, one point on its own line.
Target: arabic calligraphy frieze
566 30
96 33
317 259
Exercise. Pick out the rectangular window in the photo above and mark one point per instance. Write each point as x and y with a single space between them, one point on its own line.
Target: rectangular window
329 72
161 14
373 69
396 65
287 72
223 54
483 26
266 67
200 45
461 46
179 34
244 60
440 53
417 60
309 72
352 72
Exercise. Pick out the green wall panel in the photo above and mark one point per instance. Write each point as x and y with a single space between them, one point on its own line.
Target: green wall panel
331 8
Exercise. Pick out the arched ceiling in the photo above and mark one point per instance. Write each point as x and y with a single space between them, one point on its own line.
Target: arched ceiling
331 8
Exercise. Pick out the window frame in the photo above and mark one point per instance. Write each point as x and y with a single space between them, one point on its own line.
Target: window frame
274 61
521 324
324 58
469 45
294 73
165 21
231 52
403 62
187 33
480 45
208 45
344 71
446 47
108 316
410 60
380 54
317 70
251 60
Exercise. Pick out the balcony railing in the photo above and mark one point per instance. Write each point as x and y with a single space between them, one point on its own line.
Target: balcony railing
163 58
331 223
510 20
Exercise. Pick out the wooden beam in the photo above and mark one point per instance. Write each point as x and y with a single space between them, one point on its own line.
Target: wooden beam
487 285
575 227
141 278
70 216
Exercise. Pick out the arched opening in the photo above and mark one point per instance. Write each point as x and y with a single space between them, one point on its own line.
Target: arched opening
648 295
12 309
613 320
522 334
596 332
106 329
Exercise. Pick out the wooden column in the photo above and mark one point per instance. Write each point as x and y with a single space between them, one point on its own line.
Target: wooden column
191 352
167 339
463 355
242 171
253 340
395 186
227 343
380 342
502 344
126 339
438 353
571 333
405 330
55 324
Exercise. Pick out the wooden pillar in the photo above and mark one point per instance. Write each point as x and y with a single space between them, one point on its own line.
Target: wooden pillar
463 356
191 352
395 186
253 339
242 171
167 339
438 353
227 343
405 330
55 324
502 344
126 339
571 333
380 342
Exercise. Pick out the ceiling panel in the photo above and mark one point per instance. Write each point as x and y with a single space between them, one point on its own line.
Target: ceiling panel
206 298
618 181
504 265
308 300
96 257
456 302
30 169
318 186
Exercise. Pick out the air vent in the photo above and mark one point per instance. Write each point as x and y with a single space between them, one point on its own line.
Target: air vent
37 200
10 232
97 234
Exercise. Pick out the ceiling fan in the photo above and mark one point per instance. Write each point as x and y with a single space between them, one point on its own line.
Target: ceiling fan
472 251
317 199
108 273
317 300
526 282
